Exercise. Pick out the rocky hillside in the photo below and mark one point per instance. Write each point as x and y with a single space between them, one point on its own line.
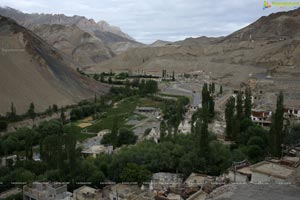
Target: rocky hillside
110 36
89 25
277 26
83 47
33 71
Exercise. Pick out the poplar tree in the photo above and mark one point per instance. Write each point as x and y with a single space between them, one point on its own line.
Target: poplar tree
276 131
248 103
213 88
31 111
239 105
229 117
205 95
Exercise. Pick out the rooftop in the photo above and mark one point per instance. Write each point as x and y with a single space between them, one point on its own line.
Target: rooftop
196 179
87 192
272 169
97 149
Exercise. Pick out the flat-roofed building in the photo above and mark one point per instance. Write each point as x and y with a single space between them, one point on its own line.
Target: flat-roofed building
270 172
46 191
127 192
87 193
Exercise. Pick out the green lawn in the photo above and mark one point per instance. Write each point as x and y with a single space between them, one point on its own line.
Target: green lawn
176 96
122 111
146 102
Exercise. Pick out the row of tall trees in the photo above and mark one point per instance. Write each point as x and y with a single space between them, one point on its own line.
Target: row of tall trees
208 99
119 135
174 112
31 113
236 110
237 116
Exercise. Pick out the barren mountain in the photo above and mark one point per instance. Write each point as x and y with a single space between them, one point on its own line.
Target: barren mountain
160 43
109 35
83 23
33 71
272 45
81 46
277 26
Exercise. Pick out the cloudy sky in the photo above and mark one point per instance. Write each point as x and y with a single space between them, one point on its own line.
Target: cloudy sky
150 20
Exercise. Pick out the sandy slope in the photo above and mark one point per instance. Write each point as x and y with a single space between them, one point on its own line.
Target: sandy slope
32 71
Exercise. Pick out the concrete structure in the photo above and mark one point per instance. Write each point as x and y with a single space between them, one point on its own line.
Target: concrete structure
292 113
46 191
185 126
162 181
242 175
195 180
126 192
173 196
240 172
262 118
96 150
270 172
8 159
154 135
102 133
290 161
87 193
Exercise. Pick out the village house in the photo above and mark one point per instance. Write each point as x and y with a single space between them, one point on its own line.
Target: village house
290 113
290 161
96 150
8 160
185 127
101 133
262 118
162 181
126 192
240 172
46 191
87 193
270 172
154 135
195 180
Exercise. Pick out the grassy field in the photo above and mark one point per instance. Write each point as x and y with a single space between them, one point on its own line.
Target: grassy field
123 111
176 96
147 102
76 131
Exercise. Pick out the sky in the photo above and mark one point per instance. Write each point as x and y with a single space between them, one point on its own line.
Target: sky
150 20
